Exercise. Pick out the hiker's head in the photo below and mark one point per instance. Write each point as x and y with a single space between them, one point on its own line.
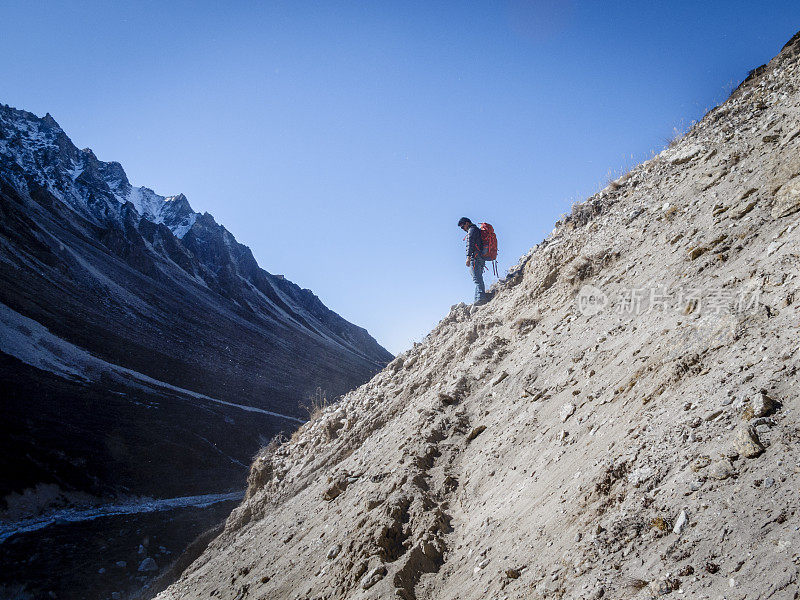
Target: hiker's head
464 223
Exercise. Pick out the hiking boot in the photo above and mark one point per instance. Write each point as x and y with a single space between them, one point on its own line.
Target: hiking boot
484 299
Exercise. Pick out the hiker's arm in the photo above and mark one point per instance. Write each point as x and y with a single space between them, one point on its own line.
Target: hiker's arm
472 243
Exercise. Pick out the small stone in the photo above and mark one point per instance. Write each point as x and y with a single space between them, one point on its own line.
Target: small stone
333 551
116 596
121 564
101 570
722 469
747 442
697 252
373 577
500 378
769 482
512 573
141 549
713 414
701 462
147 565
762 405
483 563
664 586
680 523
567 410
696 484
476 432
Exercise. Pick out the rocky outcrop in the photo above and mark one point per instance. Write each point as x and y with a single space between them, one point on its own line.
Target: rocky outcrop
592 432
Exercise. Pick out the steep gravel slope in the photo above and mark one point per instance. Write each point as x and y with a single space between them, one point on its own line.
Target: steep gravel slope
620 421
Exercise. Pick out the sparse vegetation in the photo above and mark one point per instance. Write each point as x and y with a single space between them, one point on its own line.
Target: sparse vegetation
317 403
678 133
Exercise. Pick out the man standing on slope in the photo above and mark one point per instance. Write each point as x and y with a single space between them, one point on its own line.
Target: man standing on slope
475 258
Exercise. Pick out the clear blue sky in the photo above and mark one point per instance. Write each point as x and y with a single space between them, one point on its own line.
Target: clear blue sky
342 141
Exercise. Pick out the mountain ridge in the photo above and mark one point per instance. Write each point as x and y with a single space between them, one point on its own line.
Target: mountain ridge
43 141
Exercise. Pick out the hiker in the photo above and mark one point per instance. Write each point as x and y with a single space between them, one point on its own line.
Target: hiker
475 258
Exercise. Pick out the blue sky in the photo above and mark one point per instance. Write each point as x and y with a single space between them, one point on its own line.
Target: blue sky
342 141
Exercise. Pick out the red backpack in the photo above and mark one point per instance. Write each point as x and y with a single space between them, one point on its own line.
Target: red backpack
489 241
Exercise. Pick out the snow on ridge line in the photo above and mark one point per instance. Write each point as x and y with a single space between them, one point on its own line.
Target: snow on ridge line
151 206
148 505
32 343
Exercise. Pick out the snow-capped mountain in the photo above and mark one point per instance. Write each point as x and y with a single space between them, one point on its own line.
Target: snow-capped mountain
125 314
39 150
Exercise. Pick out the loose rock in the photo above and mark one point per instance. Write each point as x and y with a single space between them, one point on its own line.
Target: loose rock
722 469
333 551
373 577
476 432
147 565
747 442
680 523
500 378
762 405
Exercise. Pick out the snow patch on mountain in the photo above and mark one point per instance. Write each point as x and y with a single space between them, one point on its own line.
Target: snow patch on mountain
172 211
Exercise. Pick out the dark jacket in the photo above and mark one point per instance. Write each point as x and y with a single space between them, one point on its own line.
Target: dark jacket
474 242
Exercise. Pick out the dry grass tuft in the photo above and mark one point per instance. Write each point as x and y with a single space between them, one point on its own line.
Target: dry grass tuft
317 403
659 523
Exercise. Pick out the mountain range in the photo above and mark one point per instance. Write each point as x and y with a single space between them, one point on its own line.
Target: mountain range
143 351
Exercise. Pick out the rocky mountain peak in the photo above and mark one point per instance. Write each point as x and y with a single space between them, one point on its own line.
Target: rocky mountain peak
50 121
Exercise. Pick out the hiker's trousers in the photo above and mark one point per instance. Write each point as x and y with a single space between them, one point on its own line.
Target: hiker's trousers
477 276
